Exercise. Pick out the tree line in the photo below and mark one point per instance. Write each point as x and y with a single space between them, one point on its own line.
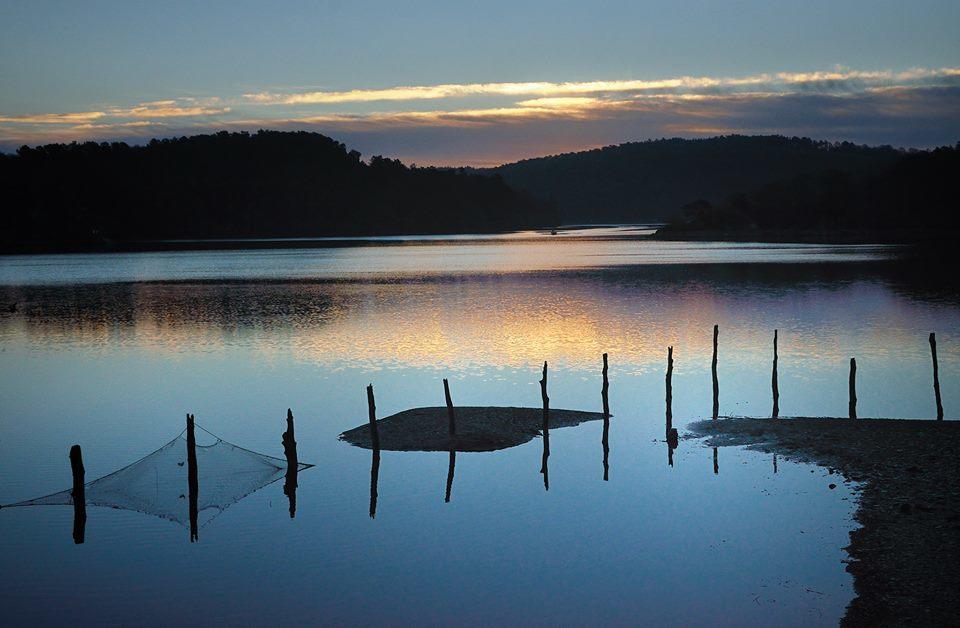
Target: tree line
913 198
266 184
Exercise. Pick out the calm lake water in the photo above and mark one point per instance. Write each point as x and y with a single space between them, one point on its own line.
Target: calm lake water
111 351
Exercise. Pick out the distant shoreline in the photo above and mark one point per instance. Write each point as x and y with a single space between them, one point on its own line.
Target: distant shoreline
540 234
787 236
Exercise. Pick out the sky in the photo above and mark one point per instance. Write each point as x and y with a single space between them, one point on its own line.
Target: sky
463 83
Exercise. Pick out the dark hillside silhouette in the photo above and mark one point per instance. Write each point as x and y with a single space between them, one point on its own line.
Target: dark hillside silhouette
239 185
915 198
652 180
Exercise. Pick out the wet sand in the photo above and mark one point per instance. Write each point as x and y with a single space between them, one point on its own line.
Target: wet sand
478 428
905 558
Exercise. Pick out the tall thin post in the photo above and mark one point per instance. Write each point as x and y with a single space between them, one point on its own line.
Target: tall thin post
853 388
936 375
293 464
372 407
546 429
773 382
545 398
605 389
716 382
78 495
450 416
669 381
192 477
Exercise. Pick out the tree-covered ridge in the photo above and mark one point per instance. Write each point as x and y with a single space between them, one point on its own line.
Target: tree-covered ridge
240 185
652 180
915 197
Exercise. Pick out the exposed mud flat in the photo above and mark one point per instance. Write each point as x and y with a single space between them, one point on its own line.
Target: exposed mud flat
478 428
905 558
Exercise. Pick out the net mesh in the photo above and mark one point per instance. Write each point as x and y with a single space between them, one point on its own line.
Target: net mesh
157 484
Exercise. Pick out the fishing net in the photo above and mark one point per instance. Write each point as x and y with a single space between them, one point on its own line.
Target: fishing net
158 483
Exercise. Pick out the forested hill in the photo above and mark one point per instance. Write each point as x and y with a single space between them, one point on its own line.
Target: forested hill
652 180
239 185
913 200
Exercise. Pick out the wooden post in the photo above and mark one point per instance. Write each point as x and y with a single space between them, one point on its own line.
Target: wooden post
546 429
936 375
669 380
192 477
546 399
372 406
853 388
450 469
773 383
78 495
605 389
716 383
293 464
450 416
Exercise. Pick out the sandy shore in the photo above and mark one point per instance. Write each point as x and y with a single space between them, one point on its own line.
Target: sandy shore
905 558
479 428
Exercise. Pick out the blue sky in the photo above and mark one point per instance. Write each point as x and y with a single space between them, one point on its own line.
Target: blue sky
491 81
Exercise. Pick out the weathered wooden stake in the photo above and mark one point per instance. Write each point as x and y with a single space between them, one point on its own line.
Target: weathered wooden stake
716 382
605 389
450 469
546 399
773 383
546 429
192 477
372 406
936 375
669 381
293 464
78 494
853 388
450 416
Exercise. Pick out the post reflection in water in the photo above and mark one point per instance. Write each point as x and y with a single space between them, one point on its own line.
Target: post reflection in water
374 477
672 443
605 441
192 478
450 470
546 429
716 462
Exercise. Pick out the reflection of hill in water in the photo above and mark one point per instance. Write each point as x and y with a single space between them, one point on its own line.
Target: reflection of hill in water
503 320
157 484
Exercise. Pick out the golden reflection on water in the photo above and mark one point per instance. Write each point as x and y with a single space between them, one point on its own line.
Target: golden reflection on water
506 321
